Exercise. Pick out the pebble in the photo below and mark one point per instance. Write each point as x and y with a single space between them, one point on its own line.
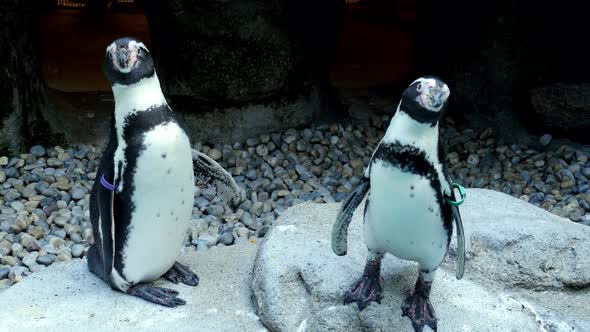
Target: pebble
46 260
44 194
77 250
38 151
78 193
226 238
17 273
4 273
262 150
208 239
9 260
5 283
545 140
214 154
304 174
30 259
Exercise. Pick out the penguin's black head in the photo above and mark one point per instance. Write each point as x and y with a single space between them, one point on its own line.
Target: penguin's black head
425 100
127 61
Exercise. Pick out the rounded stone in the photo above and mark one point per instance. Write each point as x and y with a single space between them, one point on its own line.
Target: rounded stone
242 232
262 150
77 250
78 193
4 273
545 140
30 259
226 238
214 154
38 151
575 214
46 260
17 273
61 221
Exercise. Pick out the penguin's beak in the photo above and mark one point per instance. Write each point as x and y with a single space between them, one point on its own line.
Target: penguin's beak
121 57
124 59
437 97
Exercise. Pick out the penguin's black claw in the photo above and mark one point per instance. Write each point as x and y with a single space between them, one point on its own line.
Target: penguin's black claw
420 311
163 296
363 291
182 273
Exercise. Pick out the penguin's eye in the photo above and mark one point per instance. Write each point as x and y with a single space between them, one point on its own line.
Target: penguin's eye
139 51
419 87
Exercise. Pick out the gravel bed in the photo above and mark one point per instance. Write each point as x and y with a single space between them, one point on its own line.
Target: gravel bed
44 194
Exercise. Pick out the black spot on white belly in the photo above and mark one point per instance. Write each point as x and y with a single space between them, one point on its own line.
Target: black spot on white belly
182 202
163 155
169 171
158 214
410 159
411 243
171 213
182 190
412 195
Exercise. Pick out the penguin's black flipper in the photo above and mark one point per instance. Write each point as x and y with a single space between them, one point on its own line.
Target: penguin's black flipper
349 205
210 172
100 254
456 215
460 243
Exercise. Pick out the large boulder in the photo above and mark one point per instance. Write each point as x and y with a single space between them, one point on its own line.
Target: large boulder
526 270
563 108
66 296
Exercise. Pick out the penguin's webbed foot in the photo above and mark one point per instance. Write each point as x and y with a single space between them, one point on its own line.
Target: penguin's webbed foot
418 308
181 273
159 295
363 291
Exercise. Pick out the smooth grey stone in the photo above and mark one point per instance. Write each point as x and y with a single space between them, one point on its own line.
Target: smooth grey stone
4 273
77 250
78 193
226 238
38 151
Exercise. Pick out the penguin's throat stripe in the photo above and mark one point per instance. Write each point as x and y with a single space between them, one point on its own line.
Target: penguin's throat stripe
107 185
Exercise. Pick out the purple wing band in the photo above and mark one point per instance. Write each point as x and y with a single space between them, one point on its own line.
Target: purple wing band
106 184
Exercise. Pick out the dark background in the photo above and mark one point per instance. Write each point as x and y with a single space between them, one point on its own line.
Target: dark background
517 66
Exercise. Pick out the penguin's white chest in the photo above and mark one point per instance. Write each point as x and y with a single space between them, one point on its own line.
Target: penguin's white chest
404 217
163 199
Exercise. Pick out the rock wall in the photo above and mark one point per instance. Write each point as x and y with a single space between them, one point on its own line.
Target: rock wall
495 54
222 60
23 102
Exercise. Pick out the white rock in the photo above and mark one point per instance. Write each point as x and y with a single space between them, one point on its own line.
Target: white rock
222 300
299 282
